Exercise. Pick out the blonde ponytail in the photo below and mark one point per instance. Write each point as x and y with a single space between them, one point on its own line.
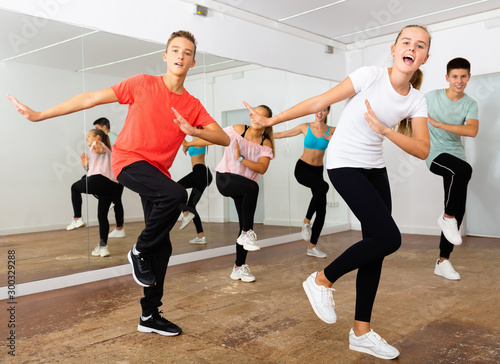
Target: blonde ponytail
404 127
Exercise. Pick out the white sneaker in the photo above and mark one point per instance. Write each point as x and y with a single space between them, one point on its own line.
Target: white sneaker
306 232
75 224
321 299
97 251
101 251
242 273
248 240
450 229
198 240
186 220
104 251
445 269
315 252
117 234
371 343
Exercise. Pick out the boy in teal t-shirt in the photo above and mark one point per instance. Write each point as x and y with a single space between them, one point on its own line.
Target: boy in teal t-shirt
452 115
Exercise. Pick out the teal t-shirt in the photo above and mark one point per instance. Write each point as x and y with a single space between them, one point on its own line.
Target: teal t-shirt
442 109
112 137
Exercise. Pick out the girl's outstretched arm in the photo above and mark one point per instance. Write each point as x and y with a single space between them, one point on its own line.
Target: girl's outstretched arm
82 101
342 91
299 129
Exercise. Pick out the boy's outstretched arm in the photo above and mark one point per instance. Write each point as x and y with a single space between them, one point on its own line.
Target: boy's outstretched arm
82 101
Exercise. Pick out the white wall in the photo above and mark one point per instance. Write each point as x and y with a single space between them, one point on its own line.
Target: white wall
40 161
285 200
483 198
219 34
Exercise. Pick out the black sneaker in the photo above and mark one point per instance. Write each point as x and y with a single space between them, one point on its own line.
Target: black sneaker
141 270
158 324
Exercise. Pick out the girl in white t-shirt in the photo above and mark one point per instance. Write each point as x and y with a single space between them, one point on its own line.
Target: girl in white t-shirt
378 99
98 181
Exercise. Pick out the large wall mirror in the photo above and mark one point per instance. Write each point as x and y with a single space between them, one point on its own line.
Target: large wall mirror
45 62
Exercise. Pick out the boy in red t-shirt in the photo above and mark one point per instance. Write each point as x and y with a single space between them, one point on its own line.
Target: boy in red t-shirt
161 112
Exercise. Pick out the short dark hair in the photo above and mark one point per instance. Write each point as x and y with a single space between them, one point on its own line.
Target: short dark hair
458 63
103 122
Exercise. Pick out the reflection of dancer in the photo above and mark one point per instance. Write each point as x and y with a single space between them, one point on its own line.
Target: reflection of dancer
248 155
377 99
143 153
452 114
100 182
105 126
199 179
309 173
119 232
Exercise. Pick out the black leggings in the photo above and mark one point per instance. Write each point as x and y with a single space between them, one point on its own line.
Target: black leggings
244 192
368 195
105 190
161 198
117 201
456 175
312 177
199 179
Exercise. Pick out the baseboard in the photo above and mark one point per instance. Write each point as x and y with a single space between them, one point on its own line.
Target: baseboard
50 227
408 229
70 280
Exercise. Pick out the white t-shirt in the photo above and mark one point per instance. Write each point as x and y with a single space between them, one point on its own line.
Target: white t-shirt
354 143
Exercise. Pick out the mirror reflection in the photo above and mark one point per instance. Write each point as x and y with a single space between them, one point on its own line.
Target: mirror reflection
56 60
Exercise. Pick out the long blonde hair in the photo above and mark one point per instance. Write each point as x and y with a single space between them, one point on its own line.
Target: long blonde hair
404 127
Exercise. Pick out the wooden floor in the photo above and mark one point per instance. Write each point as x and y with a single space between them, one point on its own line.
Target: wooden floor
49 254
428 318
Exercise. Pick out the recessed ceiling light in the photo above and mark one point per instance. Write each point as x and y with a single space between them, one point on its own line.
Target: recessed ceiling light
119 61
49 46
312 10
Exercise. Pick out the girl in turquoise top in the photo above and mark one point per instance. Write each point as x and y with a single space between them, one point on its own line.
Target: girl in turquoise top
199 179
309 172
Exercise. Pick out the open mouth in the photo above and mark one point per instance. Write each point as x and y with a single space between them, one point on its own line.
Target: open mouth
408 60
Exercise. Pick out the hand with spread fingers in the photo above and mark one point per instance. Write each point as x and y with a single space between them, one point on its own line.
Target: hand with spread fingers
373 121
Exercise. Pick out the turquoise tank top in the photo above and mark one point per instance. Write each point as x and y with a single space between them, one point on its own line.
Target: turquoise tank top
313 142
196 151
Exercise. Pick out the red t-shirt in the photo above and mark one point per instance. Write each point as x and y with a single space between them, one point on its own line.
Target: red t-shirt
150 133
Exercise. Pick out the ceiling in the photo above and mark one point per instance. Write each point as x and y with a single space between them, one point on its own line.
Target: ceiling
58 45
348 21
46 43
